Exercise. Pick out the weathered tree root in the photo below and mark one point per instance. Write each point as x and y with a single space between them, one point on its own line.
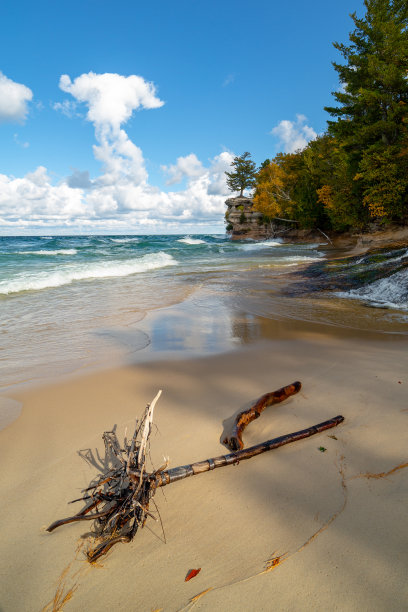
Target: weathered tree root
120 498
234 441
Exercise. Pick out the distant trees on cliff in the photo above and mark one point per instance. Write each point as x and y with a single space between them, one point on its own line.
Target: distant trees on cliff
358 170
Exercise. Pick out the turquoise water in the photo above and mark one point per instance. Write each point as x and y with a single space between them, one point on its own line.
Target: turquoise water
70 302
41 263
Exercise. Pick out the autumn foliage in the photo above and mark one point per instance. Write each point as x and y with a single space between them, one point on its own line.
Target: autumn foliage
357 172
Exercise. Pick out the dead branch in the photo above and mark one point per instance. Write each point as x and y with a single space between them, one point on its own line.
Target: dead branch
184 471
325 235
234 441
287 220
122 494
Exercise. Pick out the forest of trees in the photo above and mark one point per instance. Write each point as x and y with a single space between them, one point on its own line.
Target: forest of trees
357 171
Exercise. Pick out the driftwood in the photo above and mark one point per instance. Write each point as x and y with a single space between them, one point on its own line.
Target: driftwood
120 497
234 441
184 471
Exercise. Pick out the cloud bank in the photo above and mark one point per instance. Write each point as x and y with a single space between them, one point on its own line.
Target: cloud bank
293 135
14 98
120 199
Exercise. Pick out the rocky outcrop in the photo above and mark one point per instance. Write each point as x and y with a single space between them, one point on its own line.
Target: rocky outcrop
242 222
245 222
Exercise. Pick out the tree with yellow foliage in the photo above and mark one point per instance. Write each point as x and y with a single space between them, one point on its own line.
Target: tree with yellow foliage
272 197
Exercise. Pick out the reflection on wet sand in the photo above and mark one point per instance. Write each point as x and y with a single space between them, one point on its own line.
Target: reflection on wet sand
209 324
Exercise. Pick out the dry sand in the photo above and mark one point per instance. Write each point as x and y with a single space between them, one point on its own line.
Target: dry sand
340 532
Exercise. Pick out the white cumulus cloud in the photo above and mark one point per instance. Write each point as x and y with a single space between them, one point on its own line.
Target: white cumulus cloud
14 98
120 199
111 98
293 135
188 166
219 165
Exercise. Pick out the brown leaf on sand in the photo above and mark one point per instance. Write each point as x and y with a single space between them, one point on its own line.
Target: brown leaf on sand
191 574
274 562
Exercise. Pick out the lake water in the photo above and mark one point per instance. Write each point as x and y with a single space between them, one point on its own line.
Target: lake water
75 301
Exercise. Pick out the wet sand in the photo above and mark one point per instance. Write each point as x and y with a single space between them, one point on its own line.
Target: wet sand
334 521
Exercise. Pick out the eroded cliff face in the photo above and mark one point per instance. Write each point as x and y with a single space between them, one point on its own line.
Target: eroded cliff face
245 222
242 222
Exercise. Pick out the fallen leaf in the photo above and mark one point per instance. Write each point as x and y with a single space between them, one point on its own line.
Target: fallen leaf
273 563
191 574
322 449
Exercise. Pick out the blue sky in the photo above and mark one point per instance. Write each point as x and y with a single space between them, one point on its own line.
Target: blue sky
225 74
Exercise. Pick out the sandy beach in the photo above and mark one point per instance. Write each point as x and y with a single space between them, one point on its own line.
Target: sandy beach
203 205
292 529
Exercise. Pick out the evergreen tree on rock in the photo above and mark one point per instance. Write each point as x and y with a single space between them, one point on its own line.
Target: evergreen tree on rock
243 174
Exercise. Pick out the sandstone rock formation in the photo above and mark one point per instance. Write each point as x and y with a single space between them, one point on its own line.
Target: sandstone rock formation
245 222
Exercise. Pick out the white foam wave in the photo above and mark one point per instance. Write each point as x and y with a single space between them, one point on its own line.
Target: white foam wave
259 245
376 264
44 252
188 240
390 292
298 259
70 273
124 240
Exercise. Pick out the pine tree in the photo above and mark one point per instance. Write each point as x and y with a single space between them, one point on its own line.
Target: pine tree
372 111
373 103
243 174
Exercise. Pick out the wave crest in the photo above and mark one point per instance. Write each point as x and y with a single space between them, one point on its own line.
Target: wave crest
188 240
253 246
70 273
388 292
45 252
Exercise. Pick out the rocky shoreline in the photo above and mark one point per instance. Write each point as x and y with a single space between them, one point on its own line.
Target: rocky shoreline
245 223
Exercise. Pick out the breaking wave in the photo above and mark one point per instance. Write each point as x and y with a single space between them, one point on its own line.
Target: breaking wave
124 240
254 246
44 252
188 240
388 292
69 273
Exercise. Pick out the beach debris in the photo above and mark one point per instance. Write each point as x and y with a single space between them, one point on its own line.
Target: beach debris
118 500
192 574
234 441
322 449
274 562
197 597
